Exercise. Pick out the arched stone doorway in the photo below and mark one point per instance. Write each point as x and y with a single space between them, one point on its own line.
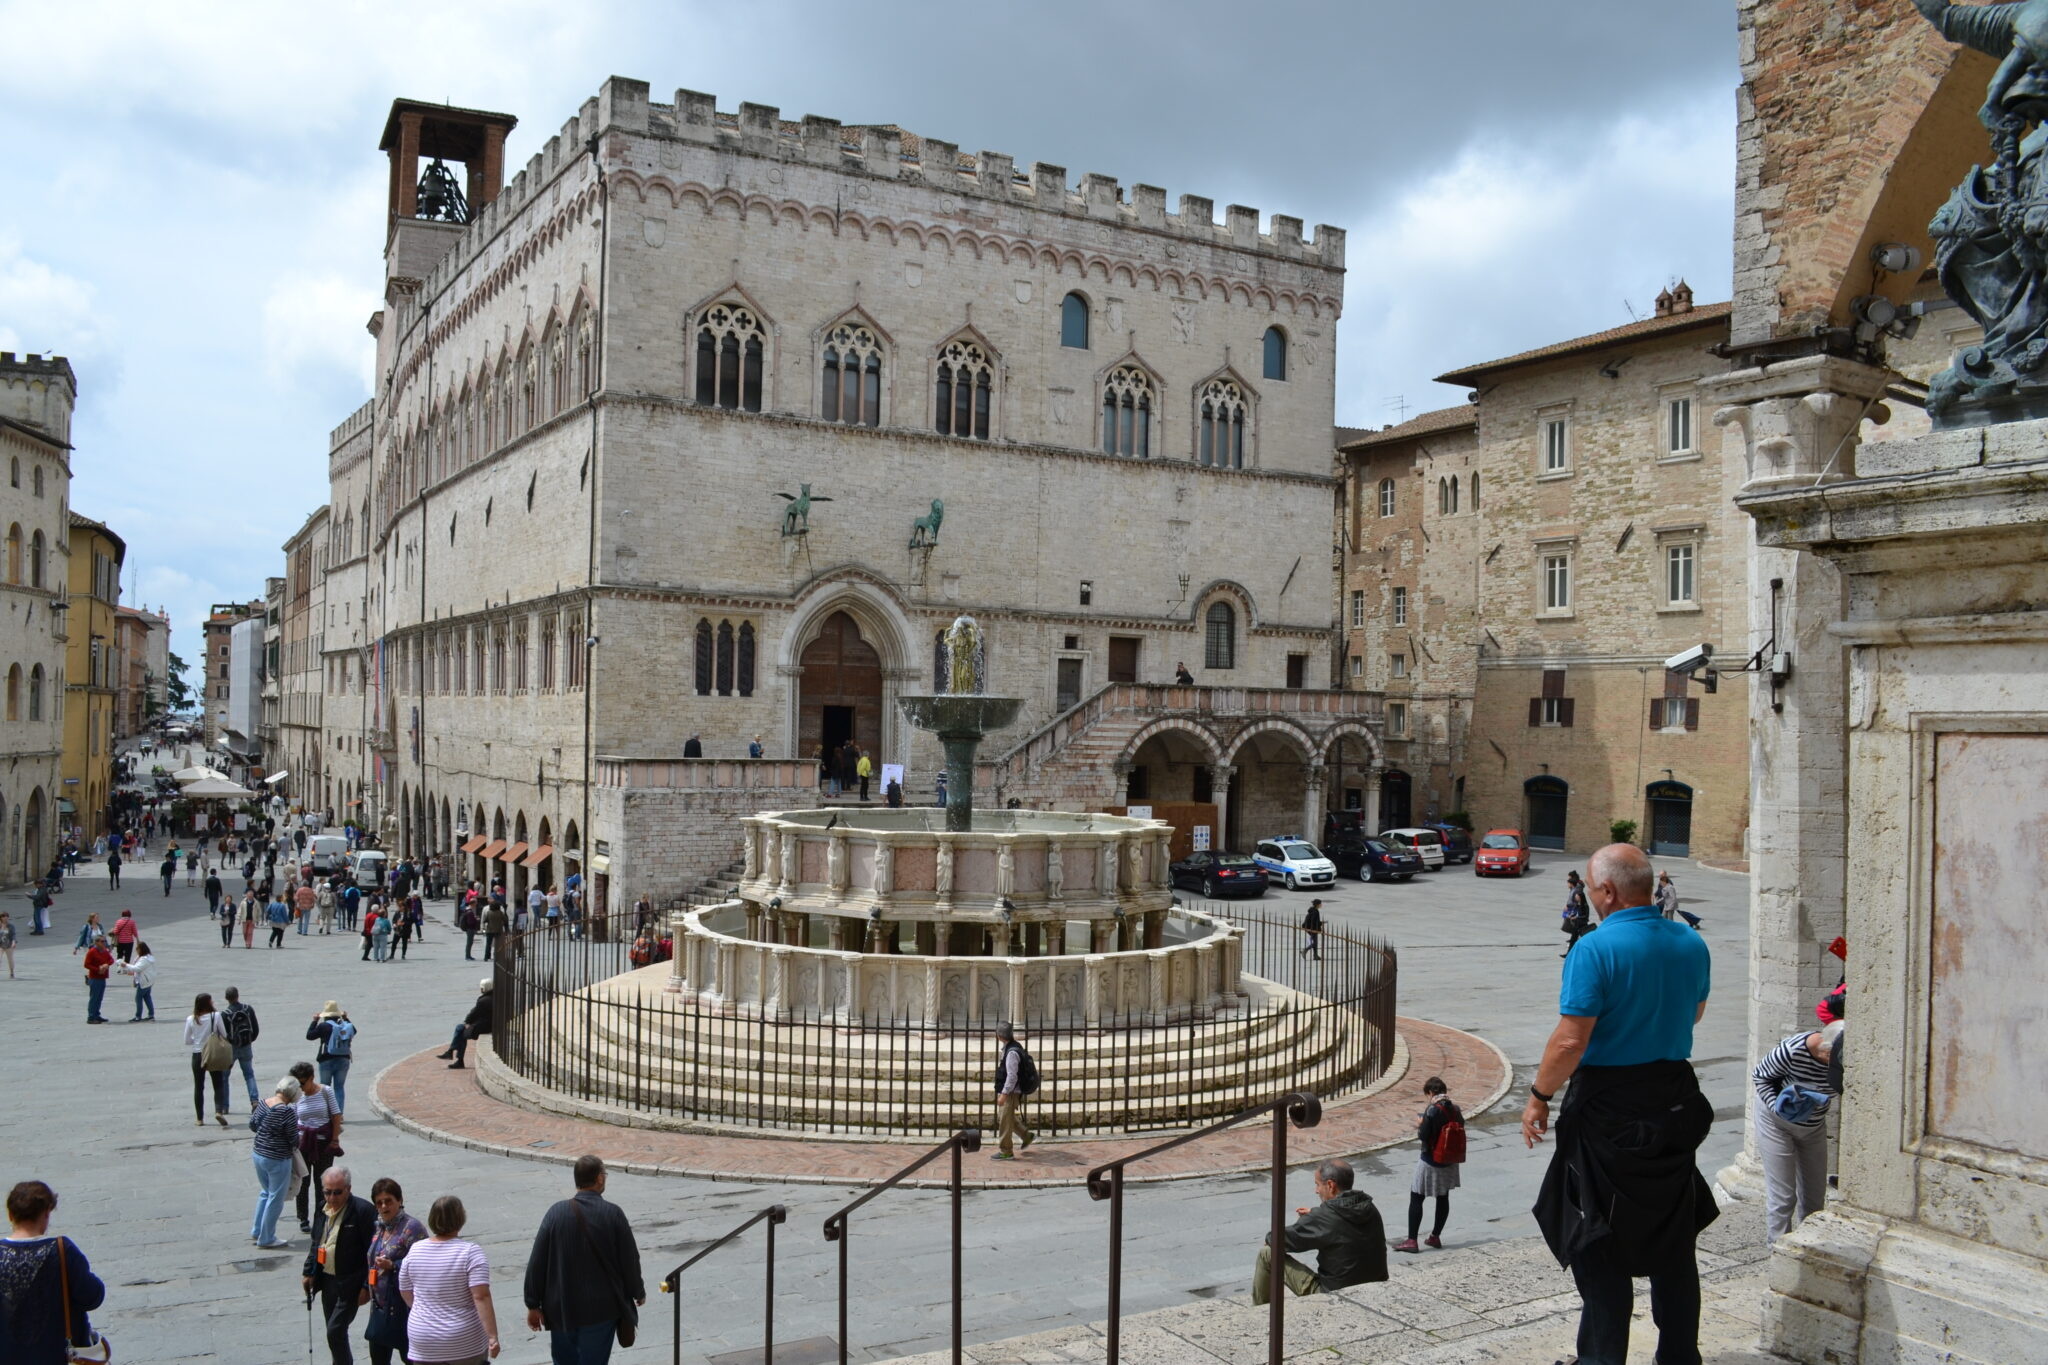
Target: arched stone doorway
1670 825
841 694
1546 800
1269 789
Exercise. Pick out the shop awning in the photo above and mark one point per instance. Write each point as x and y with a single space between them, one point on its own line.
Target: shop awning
475 842
493 849
541 853
512 851
65 807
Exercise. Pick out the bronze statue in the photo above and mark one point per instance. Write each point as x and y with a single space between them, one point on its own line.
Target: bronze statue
796 518
1991 237
924 532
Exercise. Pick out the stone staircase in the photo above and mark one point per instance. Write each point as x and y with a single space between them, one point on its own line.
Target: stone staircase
716 889
682 1067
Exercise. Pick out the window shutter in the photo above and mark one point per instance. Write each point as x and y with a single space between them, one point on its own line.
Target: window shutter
1692 713
1553 682
1564 712
1656 713
1535 710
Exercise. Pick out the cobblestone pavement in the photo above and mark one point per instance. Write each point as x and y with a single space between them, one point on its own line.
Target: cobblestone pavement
161 1205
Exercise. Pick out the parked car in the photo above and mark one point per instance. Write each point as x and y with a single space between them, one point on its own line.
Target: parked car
1426 843
1215 873
1294 862
369 867
1371 860
1502 852
1457 843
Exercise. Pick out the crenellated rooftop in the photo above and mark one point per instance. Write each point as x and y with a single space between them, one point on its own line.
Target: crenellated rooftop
884 152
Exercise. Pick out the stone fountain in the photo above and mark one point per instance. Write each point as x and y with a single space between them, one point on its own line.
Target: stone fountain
961 717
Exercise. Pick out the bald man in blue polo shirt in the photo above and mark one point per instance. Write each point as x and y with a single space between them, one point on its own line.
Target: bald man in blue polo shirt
1623 1196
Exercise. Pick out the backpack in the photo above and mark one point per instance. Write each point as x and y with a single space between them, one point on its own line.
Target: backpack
1449 1147
1027 1072
240 1023
341 1035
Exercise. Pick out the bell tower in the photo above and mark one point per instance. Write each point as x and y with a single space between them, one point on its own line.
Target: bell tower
442 133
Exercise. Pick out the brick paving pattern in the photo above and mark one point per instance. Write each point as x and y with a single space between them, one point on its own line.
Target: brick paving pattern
421 1095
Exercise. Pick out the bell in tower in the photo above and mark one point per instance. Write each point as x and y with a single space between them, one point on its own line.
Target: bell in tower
440 198
439 134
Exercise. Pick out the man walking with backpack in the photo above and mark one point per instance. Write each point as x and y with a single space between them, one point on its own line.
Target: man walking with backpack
238 1021
336 1035
1442 1128
1016 1077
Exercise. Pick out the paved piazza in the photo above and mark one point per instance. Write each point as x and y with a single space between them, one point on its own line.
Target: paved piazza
162 1206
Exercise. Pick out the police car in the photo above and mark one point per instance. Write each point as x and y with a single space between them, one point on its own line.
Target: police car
1293 862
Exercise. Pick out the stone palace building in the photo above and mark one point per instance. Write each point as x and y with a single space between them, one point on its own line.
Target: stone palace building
709 424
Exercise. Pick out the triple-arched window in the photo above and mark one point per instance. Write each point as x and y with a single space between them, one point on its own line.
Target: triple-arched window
731 352
1220 442
853 376
1128 402
724 658
966 390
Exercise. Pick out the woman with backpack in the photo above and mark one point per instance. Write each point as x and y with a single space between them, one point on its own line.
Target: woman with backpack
1442 1128
336 1034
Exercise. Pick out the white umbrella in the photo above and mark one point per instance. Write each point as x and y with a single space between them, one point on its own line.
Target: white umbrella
199 774
220 786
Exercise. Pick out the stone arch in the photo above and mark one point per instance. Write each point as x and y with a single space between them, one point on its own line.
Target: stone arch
1351 729
881 616
1239 595
1310 750
1211 746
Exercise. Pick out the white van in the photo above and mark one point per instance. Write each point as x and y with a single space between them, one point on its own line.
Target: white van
369 867
327 852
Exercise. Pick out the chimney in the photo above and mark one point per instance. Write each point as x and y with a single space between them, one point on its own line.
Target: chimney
1664 303
1681 297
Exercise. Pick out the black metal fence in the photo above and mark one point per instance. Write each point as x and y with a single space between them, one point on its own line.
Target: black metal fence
1330 1031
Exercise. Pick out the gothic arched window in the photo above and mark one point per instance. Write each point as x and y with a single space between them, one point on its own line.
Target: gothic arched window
1219 637
731 353
1222 425
966 390
1386 497
744 679
725 659
35 693
1127 407
853 376
703 659
1074 322
1276 353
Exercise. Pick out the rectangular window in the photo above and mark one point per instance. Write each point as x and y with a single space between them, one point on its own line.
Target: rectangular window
1358 665
1397 719
1679 575
1397 665
572 643
1297 671
1678 427
1400 606
1358 609
1557 582
1553 707
1556 446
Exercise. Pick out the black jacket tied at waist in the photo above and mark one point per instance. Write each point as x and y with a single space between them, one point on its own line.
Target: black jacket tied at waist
1623 1168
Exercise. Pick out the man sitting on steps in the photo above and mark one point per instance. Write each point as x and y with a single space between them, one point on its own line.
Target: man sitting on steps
1344 1231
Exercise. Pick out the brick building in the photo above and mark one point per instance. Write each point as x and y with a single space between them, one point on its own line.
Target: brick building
142 650
217 687
1099 426
1518 570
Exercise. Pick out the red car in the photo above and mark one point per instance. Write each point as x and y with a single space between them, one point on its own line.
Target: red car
1501 852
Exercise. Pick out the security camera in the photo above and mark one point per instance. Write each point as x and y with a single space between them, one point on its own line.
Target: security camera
1690 661
592 642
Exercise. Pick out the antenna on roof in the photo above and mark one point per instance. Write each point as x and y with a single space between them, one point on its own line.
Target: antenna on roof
1399 403
1633 315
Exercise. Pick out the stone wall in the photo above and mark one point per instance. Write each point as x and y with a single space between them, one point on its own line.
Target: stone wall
679 821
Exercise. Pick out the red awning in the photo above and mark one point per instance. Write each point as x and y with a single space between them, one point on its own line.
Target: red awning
476 841
541 853
512 851
493 848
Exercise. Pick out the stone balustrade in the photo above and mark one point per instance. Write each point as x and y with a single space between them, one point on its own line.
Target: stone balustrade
1192 979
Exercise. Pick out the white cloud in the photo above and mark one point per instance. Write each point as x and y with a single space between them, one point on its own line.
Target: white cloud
313 331
42 309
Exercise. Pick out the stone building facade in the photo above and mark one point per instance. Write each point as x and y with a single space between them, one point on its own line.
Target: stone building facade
301 662
143 658
344 767
711 425
37 395
1898 774
91 670
217 684
1517 572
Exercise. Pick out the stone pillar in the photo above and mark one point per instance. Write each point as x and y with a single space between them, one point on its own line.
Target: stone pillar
1155 929
1002 948
1101 935
1312 802
1219 792
1122 769
775 990
835 933
1372 796
1792 425
753 933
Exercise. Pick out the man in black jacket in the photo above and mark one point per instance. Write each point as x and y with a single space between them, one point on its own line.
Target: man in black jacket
1344 1231
475 1024
583 1277
338 1262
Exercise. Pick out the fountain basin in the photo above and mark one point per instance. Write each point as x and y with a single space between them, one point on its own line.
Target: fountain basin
960 717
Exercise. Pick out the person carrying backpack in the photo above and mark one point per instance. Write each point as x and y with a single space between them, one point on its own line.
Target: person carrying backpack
239 1022
1442 1129
1578 915
1016 1077
332 1029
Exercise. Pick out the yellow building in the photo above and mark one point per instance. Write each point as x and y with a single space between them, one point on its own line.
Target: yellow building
91 671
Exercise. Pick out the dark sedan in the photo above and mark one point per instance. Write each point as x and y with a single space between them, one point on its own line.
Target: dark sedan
1220 874
1457 843
1372 860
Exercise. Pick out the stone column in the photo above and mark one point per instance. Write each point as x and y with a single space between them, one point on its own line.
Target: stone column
1312 802
1121 795
1372 795
1002 948
1101 934
1219 792
753 933
775 992
1792 425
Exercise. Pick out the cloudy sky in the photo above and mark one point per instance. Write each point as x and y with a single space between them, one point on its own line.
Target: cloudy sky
191 197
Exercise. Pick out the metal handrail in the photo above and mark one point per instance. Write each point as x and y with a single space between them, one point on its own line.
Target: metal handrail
1298 1107
966 1140
774 1214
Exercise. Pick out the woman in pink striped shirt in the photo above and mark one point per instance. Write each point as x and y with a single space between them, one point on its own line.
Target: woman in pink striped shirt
446 1282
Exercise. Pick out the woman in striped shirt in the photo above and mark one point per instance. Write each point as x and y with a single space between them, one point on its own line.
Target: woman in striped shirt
446 1282
1794 1151
276 1125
